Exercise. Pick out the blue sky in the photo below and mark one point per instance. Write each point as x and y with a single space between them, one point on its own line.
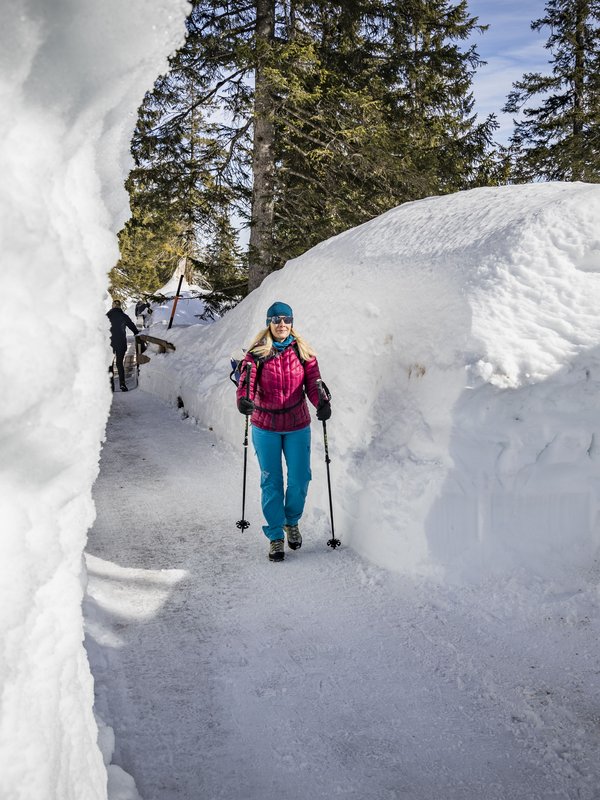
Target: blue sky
510 48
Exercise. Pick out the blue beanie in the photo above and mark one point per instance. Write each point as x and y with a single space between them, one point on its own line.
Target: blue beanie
279 309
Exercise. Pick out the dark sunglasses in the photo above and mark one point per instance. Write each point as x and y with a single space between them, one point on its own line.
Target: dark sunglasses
276 320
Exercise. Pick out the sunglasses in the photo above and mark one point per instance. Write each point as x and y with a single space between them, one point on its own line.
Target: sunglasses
276 320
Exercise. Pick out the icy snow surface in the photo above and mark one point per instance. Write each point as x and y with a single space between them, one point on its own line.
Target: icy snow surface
460 338
226 676
72 75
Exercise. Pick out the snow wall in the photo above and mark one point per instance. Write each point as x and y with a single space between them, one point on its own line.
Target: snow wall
72 76
460 338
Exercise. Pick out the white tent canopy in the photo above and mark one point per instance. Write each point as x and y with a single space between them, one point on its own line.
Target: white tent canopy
170 287
190 305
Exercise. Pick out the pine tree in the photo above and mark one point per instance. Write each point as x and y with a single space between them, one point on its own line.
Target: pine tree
179 194
432 78
380 111
221 257
149 245
332 134
303 118
558 139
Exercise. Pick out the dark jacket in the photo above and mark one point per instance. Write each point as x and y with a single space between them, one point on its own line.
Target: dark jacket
118 335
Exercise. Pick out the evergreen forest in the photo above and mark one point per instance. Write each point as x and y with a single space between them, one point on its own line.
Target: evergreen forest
280 124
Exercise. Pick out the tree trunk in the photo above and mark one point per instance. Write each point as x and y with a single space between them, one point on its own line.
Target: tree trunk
263 159
581 11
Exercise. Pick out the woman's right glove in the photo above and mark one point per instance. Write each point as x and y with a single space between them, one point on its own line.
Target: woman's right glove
323 410
245 406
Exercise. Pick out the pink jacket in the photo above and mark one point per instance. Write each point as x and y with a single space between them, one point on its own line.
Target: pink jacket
279 396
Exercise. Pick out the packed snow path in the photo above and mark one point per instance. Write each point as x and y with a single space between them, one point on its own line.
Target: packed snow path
227 676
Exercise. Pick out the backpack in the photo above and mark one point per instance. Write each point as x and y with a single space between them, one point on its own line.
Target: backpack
236 364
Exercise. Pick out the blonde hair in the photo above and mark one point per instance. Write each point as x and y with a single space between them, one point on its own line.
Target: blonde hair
262 345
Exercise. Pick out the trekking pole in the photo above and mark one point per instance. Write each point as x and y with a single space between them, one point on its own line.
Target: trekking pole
243 523
325 395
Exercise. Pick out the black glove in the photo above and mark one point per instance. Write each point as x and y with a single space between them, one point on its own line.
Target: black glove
323 410
245 406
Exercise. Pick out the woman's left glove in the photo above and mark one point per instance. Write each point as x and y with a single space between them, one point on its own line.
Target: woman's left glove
323 410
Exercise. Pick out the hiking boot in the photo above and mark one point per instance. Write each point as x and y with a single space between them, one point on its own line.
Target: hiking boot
124 388
276 551
294 537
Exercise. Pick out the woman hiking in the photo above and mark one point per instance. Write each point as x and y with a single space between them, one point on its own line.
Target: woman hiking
283 371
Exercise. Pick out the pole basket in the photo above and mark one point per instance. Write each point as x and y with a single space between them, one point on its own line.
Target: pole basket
333 543
242 524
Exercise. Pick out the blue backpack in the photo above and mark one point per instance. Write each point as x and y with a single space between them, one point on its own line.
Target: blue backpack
236 364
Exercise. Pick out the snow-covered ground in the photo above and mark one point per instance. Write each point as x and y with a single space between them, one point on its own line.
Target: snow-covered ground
460 338
227 676
450 649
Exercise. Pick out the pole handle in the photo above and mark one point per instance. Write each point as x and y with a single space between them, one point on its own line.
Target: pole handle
324 392
247 380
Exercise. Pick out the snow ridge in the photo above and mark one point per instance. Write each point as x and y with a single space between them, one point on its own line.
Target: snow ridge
459 336
72 77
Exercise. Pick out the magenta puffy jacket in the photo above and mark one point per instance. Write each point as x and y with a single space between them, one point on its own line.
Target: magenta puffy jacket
279 396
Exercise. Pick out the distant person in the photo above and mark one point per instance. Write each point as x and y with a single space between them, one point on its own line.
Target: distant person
283 370
118 340
143 310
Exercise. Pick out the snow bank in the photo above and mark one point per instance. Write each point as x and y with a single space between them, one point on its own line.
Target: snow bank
460 338
71 78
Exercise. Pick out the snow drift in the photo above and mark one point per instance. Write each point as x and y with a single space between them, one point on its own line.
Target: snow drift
72 78
460 338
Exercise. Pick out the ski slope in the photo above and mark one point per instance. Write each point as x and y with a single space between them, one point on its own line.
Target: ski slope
226 676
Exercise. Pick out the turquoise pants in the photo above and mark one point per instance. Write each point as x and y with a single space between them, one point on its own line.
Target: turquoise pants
282 508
